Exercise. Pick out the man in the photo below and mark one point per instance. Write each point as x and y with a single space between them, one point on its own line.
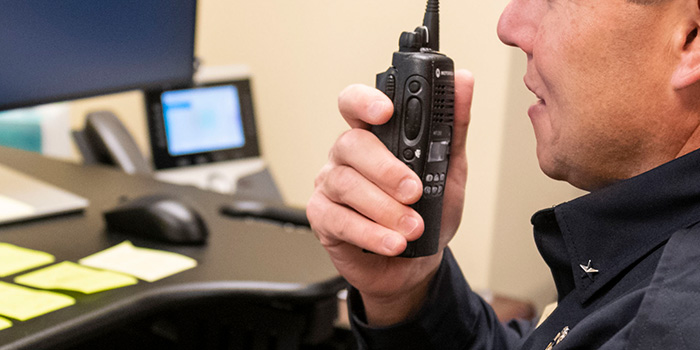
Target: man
618 115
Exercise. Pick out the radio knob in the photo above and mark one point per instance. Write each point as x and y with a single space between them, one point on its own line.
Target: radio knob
412 122
410 42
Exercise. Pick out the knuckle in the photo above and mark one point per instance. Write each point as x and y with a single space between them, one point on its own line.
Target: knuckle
313 209
331 153
332 223
389 169
319 180
321 176
349 228
347 141
384 207
342 180
321 225
370 237
324 239
334 232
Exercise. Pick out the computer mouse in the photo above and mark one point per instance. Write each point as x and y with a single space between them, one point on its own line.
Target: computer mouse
158 217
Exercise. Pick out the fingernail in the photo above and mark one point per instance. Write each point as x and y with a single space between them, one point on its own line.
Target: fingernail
408 188
377 109
392 242
407 224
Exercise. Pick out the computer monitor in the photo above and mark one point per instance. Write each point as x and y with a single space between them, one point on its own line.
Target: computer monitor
59 50
207 123
56 50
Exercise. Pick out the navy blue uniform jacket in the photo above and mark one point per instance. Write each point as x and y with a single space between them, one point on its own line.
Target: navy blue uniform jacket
625 261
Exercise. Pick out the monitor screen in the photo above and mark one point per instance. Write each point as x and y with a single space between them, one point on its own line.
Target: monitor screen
58 50
202 120
205 124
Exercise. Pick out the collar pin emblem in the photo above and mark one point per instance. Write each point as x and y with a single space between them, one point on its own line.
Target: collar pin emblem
588 269
560 336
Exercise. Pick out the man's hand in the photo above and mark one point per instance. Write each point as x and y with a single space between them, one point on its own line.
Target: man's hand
361 201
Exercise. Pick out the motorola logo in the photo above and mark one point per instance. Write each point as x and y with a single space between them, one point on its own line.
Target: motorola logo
439 73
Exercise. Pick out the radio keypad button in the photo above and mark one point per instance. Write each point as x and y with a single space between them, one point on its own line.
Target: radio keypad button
408 154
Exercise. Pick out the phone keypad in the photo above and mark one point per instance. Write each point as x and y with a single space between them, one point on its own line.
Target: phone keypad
434 184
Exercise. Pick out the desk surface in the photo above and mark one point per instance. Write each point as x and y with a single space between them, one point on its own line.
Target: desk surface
241 258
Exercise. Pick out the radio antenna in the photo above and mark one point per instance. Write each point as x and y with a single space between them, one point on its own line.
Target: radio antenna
431 21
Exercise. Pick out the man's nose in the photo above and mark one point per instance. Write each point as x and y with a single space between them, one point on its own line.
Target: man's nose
519 23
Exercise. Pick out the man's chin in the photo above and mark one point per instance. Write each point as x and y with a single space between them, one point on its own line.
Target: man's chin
558 172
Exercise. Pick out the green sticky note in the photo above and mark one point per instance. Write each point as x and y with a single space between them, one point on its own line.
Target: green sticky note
71 276
5 323
147 264
24 303
14 259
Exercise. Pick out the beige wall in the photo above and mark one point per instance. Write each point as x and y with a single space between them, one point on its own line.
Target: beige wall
302 53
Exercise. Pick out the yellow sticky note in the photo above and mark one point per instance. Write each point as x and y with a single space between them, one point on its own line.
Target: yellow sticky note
14 259
5 323
71 276
147 264
24 303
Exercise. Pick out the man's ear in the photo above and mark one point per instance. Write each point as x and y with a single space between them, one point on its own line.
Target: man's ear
688 47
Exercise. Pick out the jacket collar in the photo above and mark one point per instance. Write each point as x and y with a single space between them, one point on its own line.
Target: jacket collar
614 227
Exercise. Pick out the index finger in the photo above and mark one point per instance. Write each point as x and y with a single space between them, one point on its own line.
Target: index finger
362 106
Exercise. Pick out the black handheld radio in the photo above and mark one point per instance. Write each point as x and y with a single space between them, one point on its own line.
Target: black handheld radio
421 85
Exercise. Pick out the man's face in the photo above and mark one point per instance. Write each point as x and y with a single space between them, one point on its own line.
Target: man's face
601 71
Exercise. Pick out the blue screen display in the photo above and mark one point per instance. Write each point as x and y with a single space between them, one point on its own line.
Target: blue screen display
202 120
